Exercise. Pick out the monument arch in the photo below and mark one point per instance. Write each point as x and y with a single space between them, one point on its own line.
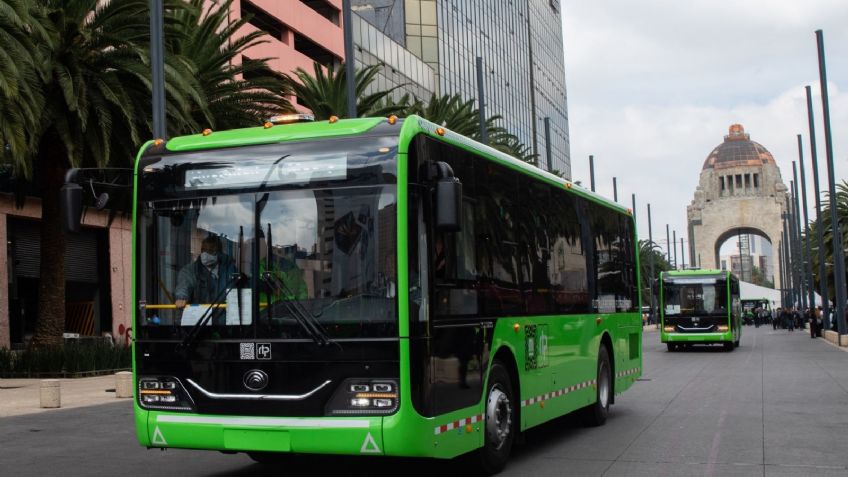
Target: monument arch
740 191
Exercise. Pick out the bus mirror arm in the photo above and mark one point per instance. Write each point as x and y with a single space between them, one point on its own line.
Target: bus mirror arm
71 202
448 198
78 178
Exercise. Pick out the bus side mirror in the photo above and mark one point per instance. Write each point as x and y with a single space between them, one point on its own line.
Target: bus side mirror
71 201
449 204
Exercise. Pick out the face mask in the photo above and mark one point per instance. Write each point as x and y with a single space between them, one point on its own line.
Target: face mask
208 259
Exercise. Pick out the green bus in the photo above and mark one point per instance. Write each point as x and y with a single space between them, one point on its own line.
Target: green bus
381 287
700 307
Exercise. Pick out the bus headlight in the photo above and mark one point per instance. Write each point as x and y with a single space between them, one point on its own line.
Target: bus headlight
722 328
365 397
163 393
669 329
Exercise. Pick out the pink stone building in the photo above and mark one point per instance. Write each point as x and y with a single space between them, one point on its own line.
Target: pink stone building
99 275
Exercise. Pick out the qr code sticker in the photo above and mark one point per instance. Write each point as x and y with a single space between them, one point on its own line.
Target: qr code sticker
247 351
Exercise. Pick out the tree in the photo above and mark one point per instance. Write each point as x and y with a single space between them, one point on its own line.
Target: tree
237 91
827 238
20 96
325 93
461 116
95 80
647 250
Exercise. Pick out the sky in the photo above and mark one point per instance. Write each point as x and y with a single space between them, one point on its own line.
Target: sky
654 85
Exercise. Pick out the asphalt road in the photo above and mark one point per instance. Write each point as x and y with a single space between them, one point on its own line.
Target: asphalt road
777 406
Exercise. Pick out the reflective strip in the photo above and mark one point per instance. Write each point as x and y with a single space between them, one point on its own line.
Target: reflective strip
457 424
268 422
628 372
558 393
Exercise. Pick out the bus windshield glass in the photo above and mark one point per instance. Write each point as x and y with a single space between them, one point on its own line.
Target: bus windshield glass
695 296
252 264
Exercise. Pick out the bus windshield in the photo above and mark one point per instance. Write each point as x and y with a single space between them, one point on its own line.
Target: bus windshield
695 296
251 264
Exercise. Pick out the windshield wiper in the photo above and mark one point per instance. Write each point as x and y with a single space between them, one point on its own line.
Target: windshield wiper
236 280
302 316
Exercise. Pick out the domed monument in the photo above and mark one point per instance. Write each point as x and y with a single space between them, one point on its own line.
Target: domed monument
740 194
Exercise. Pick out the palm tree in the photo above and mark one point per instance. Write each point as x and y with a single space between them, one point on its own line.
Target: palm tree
827 237
461 116
237 91
95 81
325 93
20 97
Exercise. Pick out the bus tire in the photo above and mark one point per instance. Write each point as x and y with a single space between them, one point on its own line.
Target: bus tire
728 346
596 414
500 420
671 347
736 344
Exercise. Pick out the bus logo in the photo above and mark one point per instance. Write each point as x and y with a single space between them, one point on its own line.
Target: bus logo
263 350
255 379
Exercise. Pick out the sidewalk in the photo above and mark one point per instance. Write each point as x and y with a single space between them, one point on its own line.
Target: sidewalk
22 396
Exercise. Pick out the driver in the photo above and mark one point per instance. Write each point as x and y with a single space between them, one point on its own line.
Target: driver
204 279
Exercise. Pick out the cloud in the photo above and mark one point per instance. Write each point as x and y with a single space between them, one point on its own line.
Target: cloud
654 85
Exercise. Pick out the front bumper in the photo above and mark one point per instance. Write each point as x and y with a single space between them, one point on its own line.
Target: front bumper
404 434
696 337
353 435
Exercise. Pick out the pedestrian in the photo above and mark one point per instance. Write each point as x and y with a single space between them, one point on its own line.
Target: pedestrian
788 319
775 318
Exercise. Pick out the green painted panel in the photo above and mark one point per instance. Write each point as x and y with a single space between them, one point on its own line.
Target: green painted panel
278 133
257 440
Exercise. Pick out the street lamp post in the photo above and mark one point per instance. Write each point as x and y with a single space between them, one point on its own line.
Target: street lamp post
157 68
838 253
592 172
651 280
823 288
811 294
350 61
796 222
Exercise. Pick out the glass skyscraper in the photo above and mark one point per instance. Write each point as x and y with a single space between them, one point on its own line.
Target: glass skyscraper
520 43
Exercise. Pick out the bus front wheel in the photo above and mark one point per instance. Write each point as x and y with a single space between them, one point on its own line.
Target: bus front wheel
501 420
671 347
596 414
728 346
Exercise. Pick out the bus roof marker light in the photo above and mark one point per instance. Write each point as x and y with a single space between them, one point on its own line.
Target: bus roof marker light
392 119
333 119
440 131
291 118
207 132
568 185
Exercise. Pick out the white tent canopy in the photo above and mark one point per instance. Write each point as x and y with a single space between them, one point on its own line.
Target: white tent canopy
749 291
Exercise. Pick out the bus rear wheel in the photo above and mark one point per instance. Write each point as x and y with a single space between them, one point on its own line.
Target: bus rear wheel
501 421
596 414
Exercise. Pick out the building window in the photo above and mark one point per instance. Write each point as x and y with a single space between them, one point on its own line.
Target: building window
314 51
738 181
756 181
323 8
747 181
264 21
722 183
